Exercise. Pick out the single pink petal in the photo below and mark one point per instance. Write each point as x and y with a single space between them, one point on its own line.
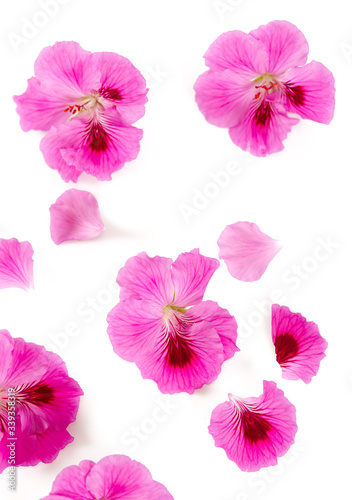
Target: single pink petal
237 51
134 327
285 45
221 320
96 147
16 264
255 431
147 278
310 92
115 477
191 273
75 216
298 344
246 251
122 84
263 129
186 357
223 97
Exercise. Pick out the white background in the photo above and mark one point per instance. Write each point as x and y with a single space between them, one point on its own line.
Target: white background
300 195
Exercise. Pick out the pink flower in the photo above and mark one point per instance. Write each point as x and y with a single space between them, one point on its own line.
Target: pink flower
255 80
16 264
75 216
113 478
38 400
247 251
255 431
298 344
87 102
178 346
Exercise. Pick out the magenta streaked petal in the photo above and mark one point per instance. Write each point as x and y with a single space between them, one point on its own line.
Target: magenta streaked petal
255 431
47 401
246 250
285 45
122 84
134 327
263 129
298 344
16 264
310 92
184 360
75 216
237 51
223 97
112 478
191 273
221 320
147 278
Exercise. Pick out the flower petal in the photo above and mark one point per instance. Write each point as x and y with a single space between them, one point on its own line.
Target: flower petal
123 84
221 320
237 51
71 483
134 327
16 264
298 344
75 216
310 92
191 273
263 129
222 97
98 148
186 361
147 278
285 45
254 432
246 251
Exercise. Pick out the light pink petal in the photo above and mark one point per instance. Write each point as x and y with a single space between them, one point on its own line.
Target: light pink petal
98 147
71 483
75 216
147 278
223 97
247 251
185 358
298 344
134 327
263 129
122 84
285 45
118 477
221 320
6 349
191 273
16 264
310 92
237 51
254 432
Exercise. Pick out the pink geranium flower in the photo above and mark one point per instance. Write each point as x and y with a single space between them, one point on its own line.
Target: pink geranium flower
75 216
16 264
298 344
113 478
246 250
87 102
163 326
38 400
256 79
255 431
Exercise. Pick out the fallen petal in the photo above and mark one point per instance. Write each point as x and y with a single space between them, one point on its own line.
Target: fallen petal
16 264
